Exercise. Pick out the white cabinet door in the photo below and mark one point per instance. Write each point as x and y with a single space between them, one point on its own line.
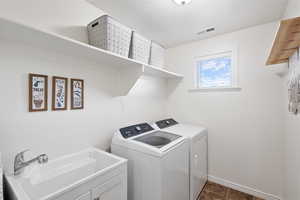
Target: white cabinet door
111 190
86 196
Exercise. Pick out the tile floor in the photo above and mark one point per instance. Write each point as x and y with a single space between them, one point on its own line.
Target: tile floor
213 191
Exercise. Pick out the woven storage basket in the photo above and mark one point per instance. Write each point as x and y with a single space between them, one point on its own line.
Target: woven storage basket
140 48
157 55
106 33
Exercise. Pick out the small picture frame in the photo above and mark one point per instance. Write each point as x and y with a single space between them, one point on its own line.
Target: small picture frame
77 94
59 93
38 92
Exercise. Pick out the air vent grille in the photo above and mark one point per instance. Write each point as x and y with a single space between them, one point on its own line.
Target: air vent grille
206 30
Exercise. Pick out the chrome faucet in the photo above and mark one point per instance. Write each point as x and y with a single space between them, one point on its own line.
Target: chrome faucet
20 163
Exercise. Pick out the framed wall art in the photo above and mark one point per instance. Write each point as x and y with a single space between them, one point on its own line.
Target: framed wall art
38 92
77 94
59 93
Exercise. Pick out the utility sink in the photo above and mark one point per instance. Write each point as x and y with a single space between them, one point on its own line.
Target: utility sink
70 177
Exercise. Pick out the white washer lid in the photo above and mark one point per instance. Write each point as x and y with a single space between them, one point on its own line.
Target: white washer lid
132 144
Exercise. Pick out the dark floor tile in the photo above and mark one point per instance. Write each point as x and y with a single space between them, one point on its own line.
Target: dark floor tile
256 198
236 195
205 195
213 191
216 189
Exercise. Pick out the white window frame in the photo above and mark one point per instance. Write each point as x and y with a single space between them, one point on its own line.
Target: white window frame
234 73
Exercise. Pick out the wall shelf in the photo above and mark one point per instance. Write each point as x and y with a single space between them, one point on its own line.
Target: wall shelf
130 70
287 41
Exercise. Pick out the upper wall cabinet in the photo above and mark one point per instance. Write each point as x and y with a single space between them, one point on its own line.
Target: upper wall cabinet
130 70
287 41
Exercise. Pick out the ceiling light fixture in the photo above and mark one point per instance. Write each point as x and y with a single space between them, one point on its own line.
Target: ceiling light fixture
182 2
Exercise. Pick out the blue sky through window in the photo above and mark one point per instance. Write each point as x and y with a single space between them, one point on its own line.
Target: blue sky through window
215 72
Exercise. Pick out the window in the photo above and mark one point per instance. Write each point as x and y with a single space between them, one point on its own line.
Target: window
216 71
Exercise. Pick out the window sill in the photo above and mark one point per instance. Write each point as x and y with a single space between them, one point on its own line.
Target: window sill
225 89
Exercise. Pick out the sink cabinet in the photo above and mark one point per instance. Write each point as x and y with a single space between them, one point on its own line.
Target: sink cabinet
88 175
110 190
113 186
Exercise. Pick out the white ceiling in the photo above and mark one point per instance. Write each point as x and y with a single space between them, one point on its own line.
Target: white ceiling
171 24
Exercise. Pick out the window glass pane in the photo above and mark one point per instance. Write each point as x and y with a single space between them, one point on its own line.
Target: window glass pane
215 72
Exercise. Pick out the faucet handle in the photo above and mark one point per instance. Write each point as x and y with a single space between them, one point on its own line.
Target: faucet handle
20 156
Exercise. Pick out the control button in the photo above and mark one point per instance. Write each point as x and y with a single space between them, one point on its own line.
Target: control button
138 128
167 122
128 133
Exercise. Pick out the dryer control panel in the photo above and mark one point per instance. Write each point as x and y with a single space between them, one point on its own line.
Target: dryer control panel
166 123
135 130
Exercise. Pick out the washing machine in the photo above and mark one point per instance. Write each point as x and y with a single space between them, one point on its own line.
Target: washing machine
198 149
158 162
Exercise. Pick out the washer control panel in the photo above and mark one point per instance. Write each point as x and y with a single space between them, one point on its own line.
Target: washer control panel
135 130
166 123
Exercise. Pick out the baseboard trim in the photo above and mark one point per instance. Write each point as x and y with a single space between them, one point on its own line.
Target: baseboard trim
243 188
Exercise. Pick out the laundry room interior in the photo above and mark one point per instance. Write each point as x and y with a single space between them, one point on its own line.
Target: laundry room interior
149 100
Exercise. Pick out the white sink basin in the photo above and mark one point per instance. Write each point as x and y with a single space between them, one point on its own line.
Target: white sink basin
58 176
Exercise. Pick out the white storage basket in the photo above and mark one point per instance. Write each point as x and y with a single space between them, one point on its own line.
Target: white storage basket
106 33
140 48
157 56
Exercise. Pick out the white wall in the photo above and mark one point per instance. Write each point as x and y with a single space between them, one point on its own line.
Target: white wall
244 148
57 133
245 127
66 17
292 9
291 151
292 136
